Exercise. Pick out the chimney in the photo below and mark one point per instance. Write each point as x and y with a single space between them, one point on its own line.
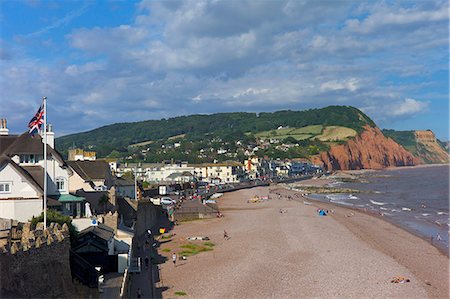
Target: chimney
3 128
50 136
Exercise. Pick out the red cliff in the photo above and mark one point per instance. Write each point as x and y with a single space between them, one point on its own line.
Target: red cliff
369 150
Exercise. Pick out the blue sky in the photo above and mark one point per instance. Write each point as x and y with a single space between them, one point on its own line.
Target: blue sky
101 62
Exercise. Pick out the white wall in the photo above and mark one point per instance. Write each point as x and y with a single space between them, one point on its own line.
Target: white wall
77 183
161 173
20 188
20 209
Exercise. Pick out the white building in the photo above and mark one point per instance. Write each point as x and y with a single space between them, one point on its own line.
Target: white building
227 172
180 172
22 177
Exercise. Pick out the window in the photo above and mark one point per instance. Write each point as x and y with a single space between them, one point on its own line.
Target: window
60 184
5 187
29 158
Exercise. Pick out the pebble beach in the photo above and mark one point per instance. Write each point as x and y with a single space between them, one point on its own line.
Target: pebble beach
281 248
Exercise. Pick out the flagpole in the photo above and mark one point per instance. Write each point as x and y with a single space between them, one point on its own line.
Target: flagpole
45 161
135 183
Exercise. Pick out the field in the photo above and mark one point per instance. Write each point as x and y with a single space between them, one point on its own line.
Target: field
297 133
336 133
327 134
141 143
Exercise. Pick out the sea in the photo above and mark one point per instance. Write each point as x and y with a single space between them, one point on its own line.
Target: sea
414 198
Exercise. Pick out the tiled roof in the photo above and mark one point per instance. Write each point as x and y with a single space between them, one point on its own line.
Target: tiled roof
90 170
25 144
36 173
100 230
124 182
6 141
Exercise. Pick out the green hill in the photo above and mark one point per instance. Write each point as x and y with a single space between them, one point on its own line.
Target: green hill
198 131
422 144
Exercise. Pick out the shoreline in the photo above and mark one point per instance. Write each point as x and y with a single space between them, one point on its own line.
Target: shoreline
442 250
380 243
357 175
298 253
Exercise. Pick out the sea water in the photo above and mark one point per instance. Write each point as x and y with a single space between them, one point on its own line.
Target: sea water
415 198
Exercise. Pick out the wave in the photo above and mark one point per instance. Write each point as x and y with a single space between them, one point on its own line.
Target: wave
442 213
377 203
406 209
425 214
341 202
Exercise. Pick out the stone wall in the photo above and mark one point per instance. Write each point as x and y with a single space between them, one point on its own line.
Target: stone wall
111 220
35 263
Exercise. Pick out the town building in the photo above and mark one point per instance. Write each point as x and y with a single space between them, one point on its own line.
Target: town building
79 154
90 175
22 177
226 172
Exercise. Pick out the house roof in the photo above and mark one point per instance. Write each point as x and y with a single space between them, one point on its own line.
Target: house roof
90 170
36 173
25 144
6 141
69 198
177 175
124 182
100 230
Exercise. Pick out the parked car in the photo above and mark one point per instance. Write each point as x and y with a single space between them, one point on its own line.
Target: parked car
167 201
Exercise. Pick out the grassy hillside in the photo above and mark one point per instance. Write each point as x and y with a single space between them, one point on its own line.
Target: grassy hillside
407 139
319 132
227 127
426 147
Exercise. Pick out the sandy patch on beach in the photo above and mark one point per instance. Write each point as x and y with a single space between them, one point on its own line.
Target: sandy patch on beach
299 254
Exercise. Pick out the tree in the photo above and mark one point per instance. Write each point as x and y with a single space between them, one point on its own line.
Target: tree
104 200
289 140
56 217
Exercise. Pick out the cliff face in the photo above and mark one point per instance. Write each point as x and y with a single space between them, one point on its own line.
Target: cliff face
369 150
428 149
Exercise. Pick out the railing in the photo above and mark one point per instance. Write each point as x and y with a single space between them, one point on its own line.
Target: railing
135 265
124 284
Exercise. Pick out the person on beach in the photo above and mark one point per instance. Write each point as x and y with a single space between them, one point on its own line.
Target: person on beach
174 259
225 235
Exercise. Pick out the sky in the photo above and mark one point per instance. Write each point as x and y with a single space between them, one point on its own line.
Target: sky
103 62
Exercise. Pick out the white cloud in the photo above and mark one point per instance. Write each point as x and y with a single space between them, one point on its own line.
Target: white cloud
408 107
384 16
351 84
235 56
61 22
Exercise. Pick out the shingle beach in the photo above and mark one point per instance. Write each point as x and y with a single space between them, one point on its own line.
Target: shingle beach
282 248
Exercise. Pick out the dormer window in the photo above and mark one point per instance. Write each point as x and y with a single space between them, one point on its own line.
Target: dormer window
29 159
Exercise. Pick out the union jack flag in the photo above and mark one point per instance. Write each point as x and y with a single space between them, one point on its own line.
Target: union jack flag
36 122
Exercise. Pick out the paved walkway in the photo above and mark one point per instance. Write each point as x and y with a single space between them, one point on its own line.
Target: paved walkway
112 285
142 280
146 279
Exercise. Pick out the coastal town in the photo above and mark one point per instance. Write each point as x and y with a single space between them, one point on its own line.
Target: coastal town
101 199
123 229
216 149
